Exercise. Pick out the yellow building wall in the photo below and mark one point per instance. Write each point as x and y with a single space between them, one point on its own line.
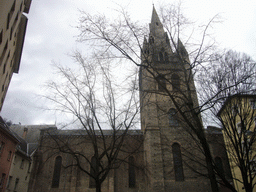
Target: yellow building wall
244 106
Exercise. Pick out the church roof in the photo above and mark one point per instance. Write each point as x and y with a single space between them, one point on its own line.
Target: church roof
78 132
33 131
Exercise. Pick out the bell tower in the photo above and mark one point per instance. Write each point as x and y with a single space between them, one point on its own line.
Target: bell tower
165 78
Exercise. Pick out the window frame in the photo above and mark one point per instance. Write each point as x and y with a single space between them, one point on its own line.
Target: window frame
172 117
131 172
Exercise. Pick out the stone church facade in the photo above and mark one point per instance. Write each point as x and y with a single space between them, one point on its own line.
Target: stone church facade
166 161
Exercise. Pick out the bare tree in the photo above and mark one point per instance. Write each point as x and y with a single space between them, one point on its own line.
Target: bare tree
231 78
107 135
126 39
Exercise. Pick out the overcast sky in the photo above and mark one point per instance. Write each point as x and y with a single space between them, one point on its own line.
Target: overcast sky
51 35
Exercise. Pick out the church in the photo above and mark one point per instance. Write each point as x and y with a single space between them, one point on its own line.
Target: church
167 156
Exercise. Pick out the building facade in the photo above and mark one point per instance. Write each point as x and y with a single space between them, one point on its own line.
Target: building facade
19 175
8 143
12 33
238 115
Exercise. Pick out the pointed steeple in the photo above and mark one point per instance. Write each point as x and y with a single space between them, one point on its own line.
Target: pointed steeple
155 26
155 18
145 42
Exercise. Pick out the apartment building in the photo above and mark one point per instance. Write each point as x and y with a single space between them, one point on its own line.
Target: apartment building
13 24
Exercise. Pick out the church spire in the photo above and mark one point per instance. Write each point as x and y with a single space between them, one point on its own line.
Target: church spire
155 18
155 26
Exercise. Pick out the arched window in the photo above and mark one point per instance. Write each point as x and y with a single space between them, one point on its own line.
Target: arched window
151 40
175 82
56 173
132 178
161 83
93 168
177 161
172 114
219 165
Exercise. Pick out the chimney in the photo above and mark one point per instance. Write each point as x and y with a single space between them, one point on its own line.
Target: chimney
25 133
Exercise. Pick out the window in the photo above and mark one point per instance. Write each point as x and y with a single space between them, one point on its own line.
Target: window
22 164
29 167
162 56
2 180
9 182
56 172
151 40
11 33
132 178
219 165
16 183
4 52
175 82
177 161
1 147
93 168
20 7
172 114
9 156
4 67
161 83
8 21
13 6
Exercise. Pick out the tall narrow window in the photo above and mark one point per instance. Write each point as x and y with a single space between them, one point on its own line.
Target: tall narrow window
22 163
173 117
93 168
2 179
219 165
9 156
151 40
1 147
8 21
16 183
177 161
161 83
56 173
175 82
132 178
9 182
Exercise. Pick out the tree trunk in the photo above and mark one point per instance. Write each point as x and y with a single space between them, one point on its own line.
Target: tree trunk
209 164
98 186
